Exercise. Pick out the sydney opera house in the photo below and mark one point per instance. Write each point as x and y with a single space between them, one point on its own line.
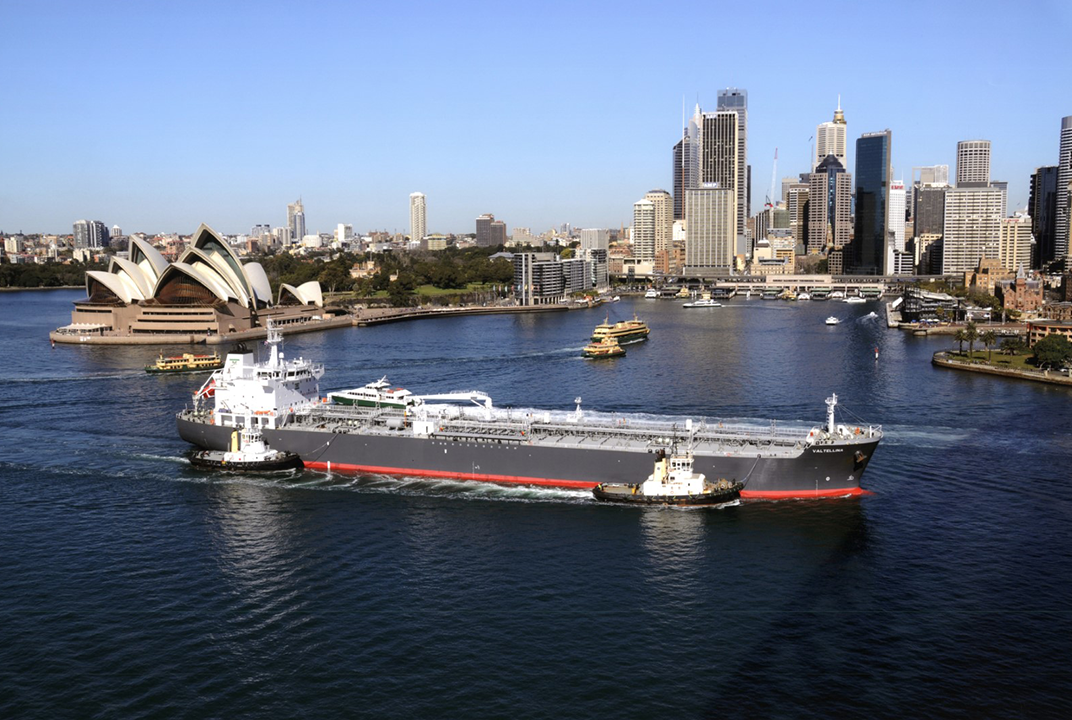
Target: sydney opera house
206 295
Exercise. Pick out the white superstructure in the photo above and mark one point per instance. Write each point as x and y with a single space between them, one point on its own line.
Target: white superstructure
252 394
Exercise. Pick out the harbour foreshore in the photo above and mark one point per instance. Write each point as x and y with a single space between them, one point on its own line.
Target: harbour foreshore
362 317
943 358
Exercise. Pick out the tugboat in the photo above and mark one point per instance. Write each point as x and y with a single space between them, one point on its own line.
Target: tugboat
248 453
185 363
607 347
672 483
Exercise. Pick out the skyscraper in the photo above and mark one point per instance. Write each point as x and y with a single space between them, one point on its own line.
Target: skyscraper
664 218
686 172
710 229
90 234
483 230
829 206
644 230
1016 245
736 100
1064 197
972 227
1042 206
873 177
973 163
830 139
417 219
296 220
719 161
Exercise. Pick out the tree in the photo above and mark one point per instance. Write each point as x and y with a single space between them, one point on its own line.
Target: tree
988 339
1013 346
1052 351
961 336
971 334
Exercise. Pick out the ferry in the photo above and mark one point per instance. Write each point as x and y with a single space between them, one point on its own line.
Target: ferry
608 347
375 394
625 331
705 302
185 363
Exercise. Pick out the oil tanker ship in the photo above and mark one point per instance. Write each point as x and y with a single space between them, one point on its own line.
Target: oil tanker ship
464 436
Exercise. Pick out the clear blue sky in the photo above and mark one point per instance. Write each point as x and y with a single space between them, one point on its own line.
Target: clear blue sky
158 116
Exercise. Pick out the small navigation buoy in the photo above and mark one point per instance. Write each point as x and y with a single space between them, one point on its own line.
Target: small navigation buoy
876 353
53 341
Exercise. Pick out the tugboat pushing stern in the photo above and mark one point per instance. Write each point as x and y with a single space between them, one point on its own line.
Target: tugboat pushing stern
673 482
248 453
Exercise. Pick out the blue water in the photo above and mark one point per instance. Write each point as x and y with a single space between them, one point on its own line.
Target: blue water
134 586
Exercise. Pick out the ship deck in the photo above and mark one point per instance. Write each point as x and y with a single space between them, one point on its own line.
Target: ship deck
592 431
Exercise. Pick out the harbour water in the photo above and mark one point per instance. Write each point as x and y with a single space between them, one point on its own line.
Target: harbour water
136 587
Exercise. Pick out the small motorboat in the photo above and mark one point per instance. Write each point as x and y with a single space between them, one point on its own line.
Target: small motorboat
651 294
832 320
248 453
803 296
854 299
673 482
605 347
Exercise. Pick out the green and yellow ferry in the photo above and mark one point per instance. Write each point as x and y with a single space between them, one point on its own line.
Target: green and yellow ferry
626 331
185 363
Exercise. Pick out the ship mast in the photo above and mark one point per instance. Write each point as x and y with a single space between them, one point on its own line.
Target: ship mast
831 402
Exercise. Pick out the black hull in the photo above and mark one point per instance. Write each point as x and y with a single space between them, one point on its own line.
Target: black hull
213 460
817 471
720 497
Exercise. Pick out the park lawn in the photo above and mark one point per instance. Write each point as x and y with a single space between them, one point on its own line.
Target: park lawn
1016 362
433 291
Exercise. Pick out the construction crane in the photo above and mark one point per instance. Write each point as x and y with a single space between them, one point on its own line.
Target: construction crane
773 180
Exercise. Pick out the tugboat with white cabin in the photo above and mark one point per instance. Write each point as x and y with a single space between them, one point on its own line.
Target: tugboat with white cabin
673 482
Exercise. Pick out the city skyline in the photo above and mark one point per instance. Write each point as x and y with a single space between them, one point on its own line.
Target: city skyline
181 135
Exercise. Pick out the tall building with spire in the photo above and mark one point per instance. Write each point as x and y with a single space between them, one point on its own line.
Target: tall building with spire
1062 231
830 139
417 217
296 220
735 100
686 171
829 206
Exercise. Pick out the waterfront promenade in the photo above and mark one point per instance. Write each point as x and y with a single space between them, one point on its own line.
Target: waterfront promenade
947 359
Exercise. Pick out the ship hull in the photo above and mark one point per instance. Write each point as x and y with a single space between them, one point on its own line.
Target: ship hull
817 471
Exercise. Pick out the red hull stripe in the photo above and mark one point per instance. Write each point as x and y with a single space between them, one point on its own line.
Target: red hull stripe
552 482
784 494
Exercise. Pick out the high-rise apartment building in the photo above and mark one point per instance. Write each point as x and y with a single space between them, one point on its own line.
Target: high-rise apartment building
972 228
874 174
797 206
116 232
735 100
1064 194
418 227
90 234
296 220
830 139
483 230
829 203
973 163
1016 244
896 263
664 218
644 230
497 231
1042 205
710 228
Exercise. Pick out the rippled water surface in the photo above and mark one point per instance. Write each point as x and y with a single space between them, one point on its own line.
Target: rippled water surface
135 586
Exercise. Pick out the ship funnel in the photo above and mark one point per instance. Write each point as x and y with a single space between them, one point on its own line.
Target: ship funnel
831 403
